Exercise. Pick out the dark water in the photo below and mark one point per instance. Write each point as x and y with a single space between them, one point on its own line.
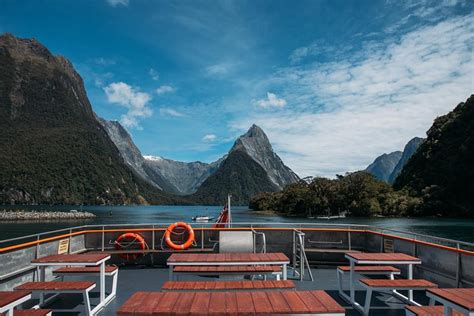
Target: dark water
459 229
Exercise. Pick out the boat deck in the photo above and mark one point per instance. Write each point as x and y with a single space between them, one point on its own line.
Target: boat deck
133 279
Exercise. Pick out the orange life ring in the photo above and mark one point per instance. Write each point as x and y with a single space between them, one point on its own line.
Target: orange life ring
130 238
188 242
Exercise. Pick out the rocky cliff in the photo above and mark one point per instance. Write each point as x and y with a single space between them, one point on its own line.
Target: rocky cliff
383 165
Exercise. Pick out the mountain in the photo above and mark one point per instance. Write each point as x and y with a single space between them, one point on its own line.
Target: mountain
383 166
408 151
133 157
255 143
172 176
441 170
250 167
183 177
53 149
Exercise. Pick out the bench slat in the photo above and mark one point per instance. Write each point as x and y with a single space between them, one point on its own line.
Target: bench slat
224 269
9 297
227 285
108 269
370 269
56 286
400 283
430 310
31 312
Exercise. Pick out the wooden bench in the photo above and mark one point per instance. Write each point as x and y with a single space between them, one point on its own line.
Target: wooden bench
226 285
229 270
11 299
31 312
428 311
392 286
110 271
231 303
41 288
365 270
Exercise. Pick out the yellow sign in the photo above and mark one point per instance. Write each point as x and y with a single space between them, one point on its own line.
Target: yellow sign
63 246
388 245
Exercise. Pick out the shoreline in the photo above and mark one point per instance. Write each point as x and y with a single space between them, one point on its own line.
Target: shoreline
34 215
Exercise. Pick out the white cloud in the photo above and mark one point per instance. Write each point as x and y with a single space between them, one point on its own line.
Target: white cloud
271 101
170 112
132 99
104 61
346 113
164 89
116 3
219 69
209 138
154 74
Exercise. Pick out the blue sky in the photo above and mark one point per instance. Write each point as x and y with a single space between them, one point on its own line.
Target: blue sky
333 83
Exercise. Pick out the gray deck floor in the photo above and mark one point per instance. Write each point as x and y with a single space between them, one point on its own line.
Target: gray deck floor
132 280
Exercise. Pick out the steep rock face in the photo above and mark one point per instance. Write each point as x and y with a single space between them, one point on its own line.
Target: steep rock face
238 175
256 144
408 151
183 177
53 150
383 166
133 157
441 170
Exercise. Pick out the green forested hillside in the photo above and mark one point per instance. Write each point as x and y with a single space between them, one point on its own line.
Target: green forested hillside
357 194
53 150
441 172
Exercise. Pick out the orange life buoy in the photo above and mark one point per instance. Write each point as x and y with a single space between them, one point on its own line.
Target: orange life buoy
188 242
127 239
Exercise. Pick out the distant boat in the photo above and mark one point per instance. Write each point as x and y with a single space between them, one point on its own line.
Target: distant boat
202 218
332 217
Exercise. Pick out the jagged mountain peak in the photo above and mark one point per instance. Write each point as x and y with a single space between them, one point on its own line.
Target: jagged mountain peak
256 144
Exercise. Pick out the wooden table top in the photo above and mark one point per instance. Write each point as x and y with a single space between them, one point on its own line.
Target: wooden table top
227 257
227 285
235 303
73 258
463 297
382 257
10 297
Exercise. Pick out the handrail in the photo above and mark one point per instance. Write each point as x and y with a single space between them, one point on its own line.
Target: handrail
304 226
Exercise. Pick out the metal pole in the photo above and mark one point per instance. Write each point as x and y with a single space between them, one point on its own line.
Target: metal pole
103 237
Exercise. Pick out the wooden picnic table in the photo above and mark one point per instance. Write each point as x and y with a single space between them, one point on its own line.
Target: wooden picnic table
10 300
377 259
228 259
461 300
233 303
78 260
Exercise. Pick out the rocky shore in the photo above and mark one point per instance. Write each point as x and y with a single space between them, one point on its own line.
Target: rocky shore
24 215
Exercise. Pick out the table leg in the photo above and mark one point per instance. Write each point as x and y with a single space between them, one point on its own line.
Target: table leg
410 276
448 311
170 271
285 274
9 312
351 281
102 282
42 278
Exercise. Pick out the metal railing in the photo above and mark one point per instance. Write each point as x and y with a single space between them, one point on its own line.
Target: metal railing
300 260
455 244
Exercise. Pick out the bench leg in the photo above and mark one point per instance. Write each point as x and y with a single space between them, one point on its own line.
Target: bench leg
410 276
170 272
448 311
87 303
339 281
368 298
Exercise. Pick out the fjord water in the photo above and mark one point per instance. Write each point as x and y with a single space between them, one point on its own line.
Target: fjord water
458 229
